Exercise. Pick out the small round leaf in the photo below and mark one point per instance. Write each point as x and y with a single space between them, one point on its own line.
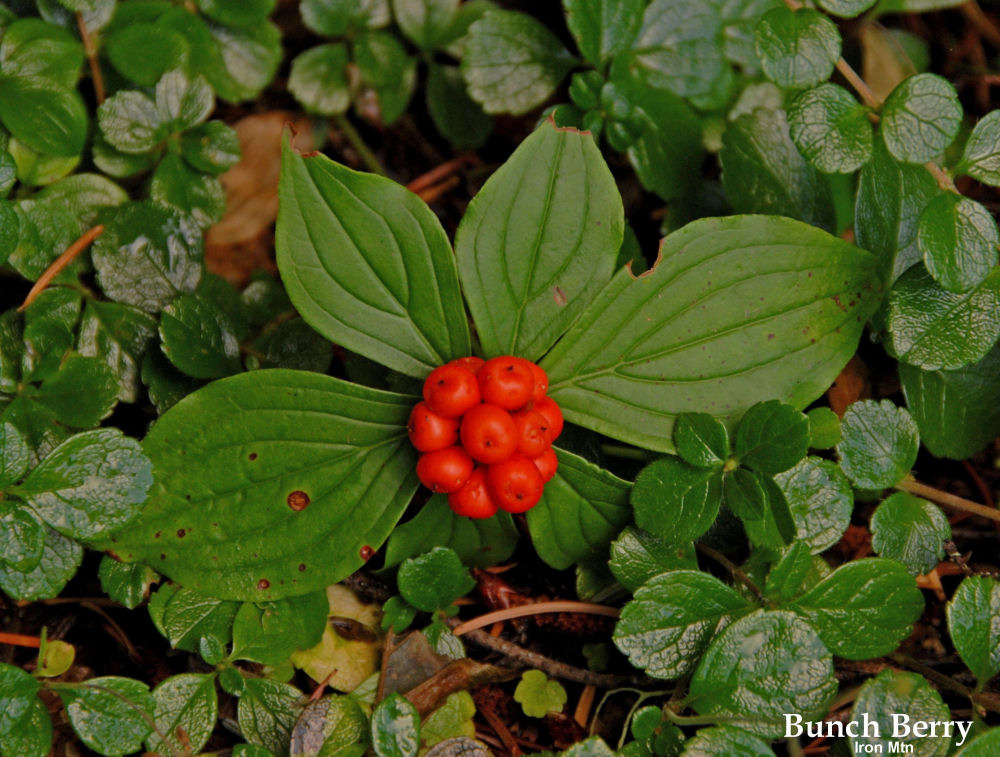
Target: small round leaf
880 444
958 239
831 129
910 530
797 48
921 117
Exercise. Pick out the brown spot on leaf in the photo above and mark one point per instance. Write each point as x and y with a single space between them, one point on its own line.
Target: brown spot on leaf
559 296
252 456
298 500
263 584
302 567
181 533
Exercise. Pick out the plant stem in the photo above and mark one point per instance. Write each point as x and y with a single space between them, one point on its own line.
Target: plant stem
364 152
20 640
57 265
91 52
676 719
948 500
725 562
535 608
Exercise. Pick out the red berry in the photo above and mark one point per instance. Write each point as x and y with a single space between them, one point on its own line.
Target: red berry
532 432
471 362
547 462
541 382
506 382
473 500
429 431
488 434
445 470
515 484
548 407
451 390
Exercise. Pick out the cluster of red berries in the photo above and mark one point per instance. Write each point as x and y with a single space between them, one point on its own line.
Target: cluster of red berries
485 429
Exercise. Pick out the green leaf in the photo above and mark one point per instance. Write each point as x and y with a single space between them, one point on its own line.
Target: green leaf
82 393
458 117
32 47
797 48
932 328
42 114
451 720
763 171
673 617
791 574
777 528
368 265
880 444
293 344
820 499
119 164
333 18
90 484
131 122
195 195
676 501
891 197
386 68
958 240
920 118
512 62
111 715
319 79
395 728
271 482
582 509
824 428
972 626
891 694
910 530
737 311
212 147
18 692
678 46
590 747
425 22
185 617
329 727
603 28
548 224
165 384
9 230
85 194
538 695
143 52
249 59
15 456
22 538
863 609
270 632
831 129
983 745
397 614
743 492
760 667
725 739
34 737
37 169
637 556
186 711
119 335
198 338
128 584
981 157
183 102
434 580
236 13
957 412
267 712
8 176
251 750
146 257
771 437
846 8
60 559
701 440
479 542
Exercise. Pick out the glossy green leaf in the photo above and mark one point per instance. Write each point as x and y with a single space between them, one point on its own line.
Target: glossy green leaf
451 720
14 455
331 726
195 195
236 13
701 440
183 102
478 542
249 58
145 257
114 162
512 62
603 28
744 494
293 344
90 484
678 46
9 230
675 500
846 8
212 147
80 394
820 499
984 745
128 584
958 240
777 528
131 122
737 311
85 194
824 428
831 129
33 736
186 711
433 580
760 667
395 728
185 617
33 47
165 384
425 22
267 712
319 79
674 615
548 224
888 698
981 157
797 48
388 70
46 343
198 338
119 335
763 171
911 531
972 625
269 632
45 116
111 715
22 536
271 482
143 51
637 556
771 437
538 695
920 118
791 574
333 18
957 412
725 739
863 609
368 265
458 117
18 692
60 559
880 444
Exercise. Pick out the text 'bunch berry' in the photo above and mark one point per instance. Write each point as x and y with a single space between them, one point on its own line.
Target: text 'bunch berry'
485 428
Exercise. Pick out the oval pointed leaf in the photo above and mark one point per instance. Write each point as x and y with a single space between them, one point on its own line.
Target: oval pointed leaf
664 630
820 499
771 437
186 712
539 241
395 728
981 158
267 713
910 530
888 697
725 739
737 311
701 439
637 556
958 239
678 46
676 501
271 482
972 615
111 715
603 28
831 129
368 265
